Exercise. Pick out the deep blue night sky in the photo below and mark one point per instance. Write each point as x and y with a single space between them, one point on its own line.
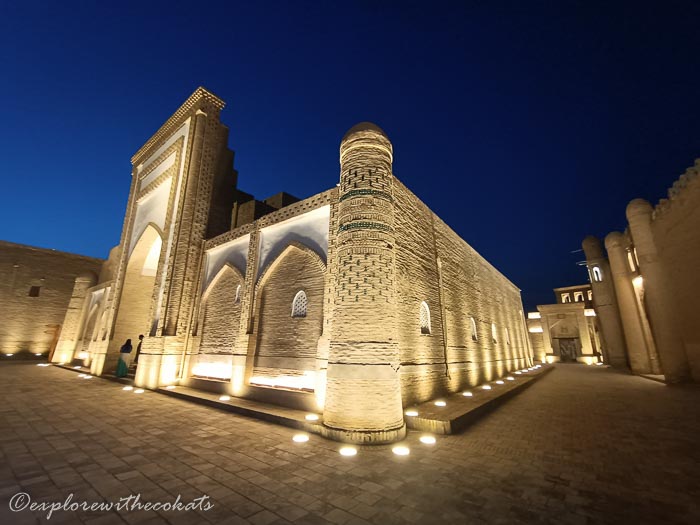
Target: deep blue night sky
524 125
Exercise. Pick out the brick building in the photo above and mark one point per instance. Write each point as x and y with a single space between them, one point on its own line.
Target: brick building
36 285
352 303
568 329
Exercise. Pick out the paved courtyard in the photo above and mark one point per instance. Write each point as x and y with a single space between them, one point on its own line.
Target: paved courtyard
582 445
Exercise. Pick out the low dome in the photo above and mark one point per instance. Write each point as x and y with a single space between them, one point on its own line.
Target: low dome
365 126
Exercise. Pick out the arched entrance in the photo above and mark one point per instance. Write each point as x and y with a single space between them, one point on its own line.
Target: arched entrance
135 305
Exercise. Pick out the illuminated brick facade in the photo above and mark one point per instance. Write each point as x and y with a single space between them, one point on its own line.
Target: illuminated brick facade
352 303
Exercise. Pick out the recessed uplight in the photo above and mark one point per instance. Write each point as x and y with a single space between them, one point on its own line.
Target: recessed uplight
467 394
38 355
87 376
599 364
311 417
401 450
224 398
127 388
510 378
138 391
411 413
440 404
81 375
486 387
518 372
78 367
43 364
300 438
428 440
9 355
348 451
170 387
499 382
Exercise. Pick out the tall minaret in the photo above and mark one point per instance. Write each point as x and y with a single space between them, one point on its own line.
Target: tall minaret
363 390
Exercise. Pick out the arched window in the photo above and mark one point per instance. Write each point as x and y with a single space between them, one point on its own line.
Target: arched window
590 295
494 334
578 297
299 304
597 274
238 294
424 318
565 298
475 337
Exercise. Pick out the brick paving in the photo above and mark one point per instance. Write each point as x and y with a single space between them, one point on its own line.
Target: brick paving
582 445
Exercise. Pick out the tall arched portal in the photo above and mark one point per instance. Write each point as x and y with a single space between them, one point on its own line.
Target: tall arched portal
135 306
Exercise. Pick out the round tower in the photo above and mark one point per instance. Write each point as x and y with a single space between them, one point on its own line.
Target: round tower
605 303
639 350
363 390
659 298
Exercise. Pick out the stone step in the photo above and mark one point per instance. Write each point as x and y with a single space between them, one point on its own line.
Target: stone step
288 417
461 411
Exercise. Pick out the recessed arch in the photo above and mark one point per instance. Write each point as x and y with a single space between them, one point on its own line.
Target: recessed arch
135 307
270 267
287 345
221 274
219 315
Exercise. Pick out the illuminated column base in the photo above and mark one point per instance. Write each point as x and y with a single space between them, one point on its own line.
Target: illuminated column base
148 371
359 437
238 374
322 351
159 362
97 363
363 401
64 352
587 359
320 387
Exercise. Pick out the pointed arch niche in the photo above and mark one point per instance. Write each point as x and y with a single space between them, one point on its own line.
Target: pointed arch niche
133 316
219 321
286 345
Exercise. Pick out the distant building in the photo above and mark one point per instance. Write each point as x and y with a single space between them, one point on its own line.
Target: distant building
36 285
646 285
568 330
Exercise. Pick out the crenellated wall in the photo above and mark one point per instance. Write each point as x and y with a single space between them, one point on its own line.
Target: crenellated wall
676 230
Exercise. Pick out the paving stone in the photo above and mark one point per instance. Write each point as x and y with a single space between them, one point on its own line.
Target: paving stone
582 445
